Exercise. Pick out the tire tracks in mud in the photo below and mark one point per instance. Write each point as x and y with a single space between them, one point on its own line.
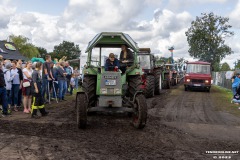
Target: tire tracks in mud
191 107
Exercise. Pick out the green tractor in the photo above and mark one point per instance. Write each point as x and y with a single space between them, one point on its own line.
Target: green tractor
111 91
152 78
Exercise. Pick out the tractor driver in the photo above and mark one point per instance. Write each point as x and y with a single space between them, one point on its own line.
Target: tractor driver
126 57
112 64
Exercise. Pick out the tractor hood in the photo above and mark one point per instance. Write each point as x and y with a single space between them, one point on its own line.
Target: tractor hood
112 39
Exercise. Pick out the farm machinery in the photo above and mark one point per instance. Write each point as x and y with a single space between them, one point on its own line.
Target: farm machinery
111 91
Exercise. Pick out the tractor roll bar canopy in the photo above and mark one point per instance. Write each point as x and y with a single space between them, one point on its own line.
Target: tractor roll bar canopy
112 40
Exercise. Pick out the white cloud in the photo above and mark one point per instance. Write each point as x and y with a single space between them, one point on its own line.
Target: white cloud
83 19
234 15
6 11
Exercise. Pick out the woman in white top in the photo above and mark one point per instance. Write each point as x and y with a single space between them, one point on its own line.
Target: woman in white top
27 95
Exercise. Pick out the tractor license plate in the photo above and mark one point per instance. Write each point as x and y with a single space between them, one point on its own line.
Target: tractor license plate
198 85
110 82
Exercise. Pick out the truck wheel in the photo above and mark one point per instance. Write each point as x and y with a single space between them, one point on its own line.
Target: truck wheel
89 86
134 84
149 88
81 111
158 81
140 116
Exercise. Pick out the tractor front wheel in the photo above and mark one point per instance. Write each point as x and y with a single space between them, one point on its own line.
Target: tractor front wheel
134 85
81 110
158 81
149 89
140 115
89 87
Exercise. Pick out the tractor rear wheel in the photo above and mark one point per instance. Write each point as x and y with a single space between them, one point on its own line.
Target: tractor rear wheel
134 84
81 110
89 87
149 88
158 81
140 116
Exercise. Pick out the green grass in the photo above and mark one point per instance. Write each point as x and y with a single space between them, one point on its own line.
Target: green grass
222 100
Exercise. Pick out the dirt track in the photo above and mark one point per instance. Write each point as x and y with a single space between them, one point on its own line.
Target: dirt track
181 125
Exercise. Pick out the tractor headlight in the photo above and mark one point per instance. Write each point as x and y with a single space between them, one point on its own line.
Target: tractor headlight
117 91
103 90
188 80
206 81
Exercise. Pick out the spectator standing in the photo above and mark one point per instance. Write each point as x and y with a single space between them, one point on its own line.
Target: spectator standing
69 72
76 74
27 94
16 83
51 82
72 84
55 82
8 81
62 81
38 100
46 76
3 92
235 83
19 66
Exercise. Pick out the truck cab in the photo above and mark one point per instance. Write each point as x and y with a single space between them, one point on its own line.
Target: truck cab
198 75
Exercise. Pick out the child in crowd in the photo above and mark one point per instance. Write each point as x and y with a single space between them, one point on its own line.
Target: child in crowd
72 83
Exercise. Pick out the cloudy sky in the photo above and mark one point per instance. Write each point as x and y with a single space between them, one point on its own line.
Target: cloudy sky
157 24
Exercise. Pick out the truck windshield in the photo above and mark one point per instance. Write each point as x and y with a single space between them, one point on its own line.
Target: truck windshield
198 68
144 61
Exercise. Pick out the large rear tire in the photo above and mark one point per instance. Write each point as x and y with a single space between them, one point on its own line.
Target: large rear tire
89 87
134 85
140 116
158 81
150 85
82 110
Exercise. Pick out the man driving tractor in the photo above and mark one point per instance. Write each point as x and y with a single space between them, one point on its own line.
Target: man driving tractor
112 63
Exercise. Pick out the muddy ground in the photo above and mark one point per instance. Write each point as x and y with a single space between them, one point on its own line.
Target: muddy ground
181 125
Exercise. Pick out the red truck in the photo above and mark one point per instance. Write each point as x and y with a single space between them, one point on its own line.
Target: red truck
198 75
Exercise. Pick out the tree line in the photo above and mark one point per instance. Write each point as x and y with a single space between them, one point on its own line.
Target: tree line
27 49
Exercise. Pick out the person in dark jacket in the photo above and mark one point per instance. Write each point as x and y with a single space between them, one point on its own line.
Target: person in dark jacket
38 99
126 57
111 63
3 92
62 81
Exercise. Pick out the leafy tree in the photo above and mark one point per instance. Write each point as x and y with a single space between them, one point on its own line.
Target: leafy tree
42 52
66 48
163 60
237 64
206 38
27 49
225 67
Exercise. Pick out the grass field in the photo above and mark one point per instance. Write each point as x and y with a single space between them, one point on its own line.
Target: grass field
223 99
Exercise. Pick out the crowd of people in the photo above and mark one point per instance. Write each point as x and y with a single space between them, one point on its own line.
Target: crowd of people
32 85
